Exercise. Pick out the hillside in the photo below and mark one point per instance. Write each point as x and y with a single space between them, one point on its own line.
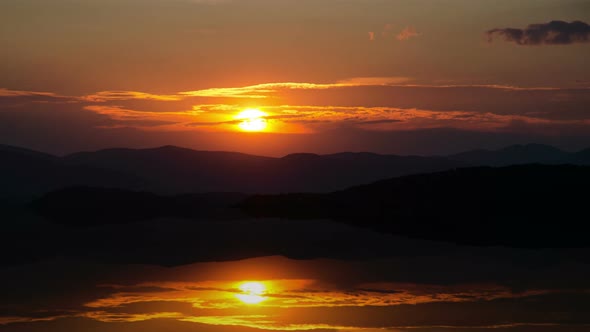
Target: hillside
26 173
171 170
527 205
86 206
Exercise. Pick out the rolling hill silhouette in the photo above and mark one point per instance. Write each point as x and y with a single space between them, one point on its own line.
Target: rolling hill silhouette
86 206
580 158
172 170
177 170
524 206
25 172
514 154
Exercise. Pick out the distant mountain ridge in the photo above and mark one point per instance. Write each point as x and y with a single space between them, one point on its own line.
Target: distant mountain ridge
516 154
24 151
175 170
25 172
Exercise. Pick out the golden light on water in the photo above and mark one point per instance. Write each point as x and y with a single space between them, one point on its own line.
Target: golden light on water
252 119
252 292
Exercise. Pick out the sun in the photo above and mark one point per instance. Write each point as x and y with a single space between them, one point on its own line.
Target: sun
252 292
252 119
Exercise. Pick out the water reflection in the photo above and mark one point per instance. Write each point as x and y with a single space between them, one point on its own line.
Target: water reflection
277 293
349 280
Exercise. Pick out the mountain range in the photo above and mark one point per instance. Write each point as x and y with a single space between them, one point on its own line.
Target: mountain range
175 170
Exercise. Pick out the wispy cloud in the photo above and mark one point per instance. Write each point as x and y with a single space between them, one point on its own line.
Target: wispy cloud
369 81
388 32
551 33
407 33
111 317
35 96
128 95
134 118
258 90
19 93
267 90
316 118
371 103
305 293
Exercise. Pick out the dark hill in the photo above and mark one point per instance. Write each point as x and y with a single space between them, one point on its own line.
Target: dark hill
515 154
172 170
86 206
580 158
25 152
24 173
523 206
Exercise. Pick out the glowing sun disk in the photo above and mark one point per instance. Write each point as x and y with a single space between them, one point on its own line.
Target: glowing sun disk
252 292
252 120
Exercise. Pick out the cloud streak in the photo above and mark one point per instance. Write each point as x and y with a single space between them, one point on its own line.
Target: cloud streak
387 31
369 106
305 293
128 95
260 91
407 33
551 33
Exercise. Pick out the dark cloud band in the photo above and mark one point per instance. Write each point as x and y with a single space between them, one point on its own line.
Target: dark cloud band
552 33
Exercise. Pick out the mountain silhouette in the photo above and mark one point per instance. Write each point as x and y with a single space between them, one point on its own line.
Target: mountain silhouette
25 152
87 206
25 172
580 158
524 206
171 170
515 154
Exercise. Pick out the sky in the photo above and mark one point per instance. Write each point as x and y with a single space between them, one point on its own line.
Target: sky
388 76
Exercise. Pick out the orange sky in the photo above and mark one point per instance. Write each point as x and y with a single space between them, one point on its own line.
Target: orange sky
330 76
